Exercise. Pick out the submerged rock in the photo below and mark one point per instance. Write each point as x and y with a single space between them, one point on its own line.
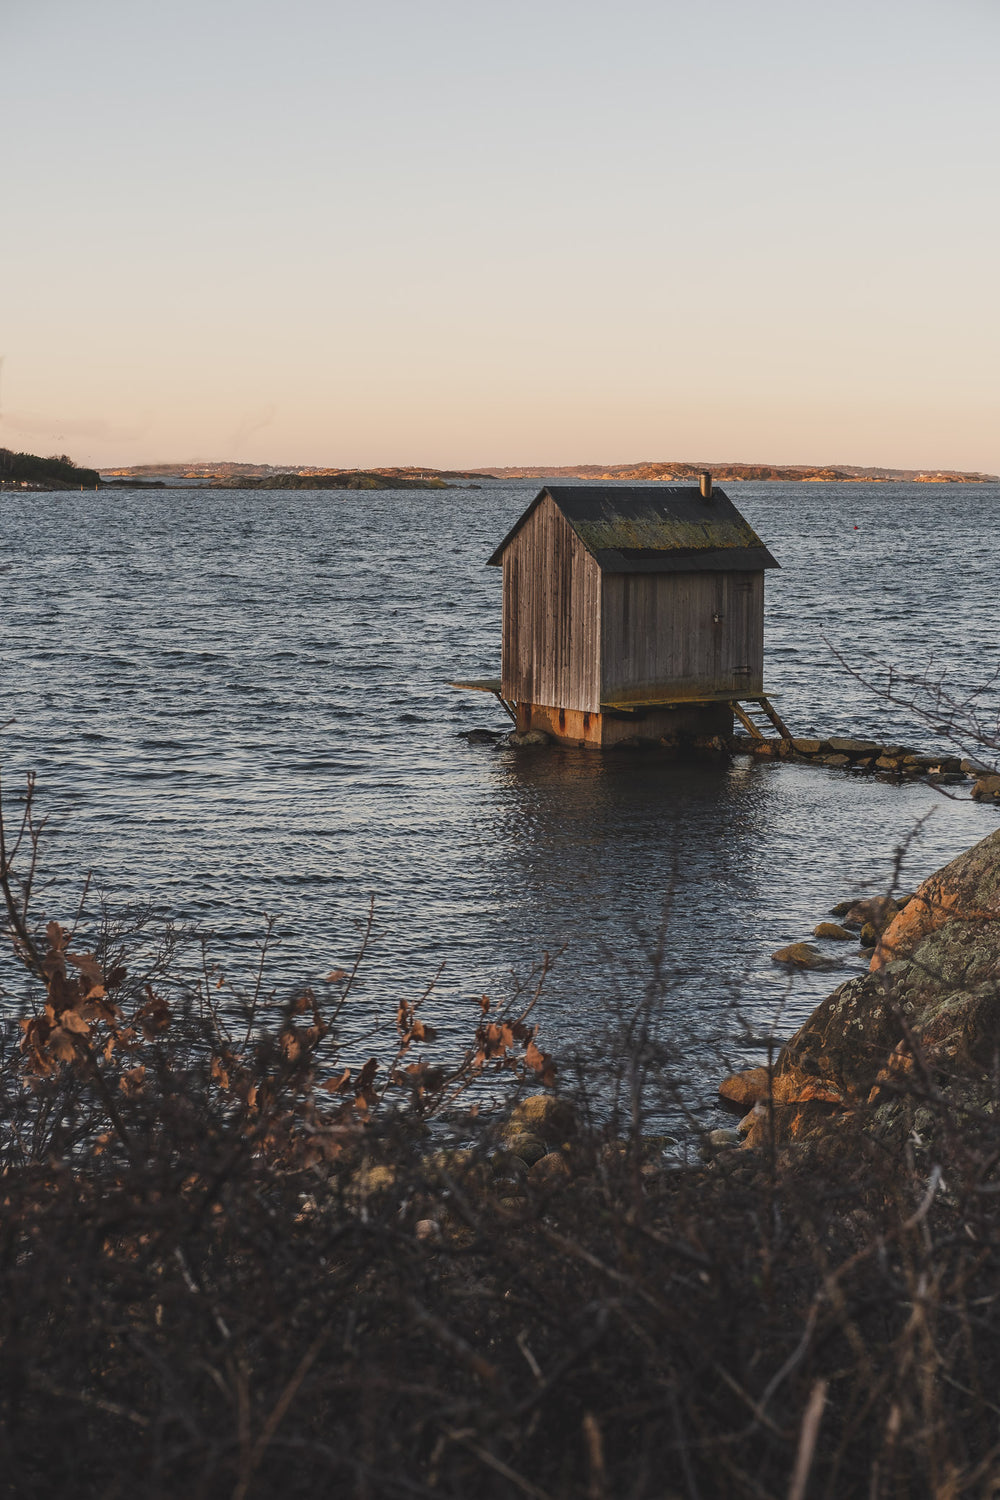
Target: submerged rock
854 747
531 737
832 930
801 956
718 1140
879 911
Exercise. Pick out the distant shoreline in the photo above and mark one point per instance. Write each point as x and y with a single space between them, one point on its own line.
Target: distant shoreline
26 472
265 476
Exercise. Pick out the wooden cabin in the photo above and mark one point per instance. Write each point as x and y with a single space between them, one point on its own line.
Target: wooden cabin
632 611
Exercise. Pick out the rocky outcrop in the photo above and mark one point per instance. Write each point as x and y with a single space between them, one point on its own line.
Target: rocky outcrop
928 1008
888 762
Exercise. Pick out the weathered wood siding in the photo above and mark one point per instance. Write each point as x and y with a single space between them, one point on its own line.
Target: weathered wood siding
551 615
661 635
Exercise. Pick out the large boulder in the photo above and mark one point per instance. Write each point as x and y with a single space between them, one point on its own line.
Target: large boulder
931 1000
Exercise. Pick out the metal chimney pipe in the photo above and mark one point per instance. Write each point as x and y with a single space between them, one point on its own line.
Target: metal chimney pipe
706 484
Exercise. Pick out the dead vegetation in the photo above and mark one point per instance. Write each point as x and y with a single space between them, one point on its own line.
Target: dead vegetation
231 1266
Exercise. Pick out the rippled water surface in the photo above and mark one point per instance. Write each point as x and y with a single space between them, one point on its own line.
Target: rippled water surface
237 703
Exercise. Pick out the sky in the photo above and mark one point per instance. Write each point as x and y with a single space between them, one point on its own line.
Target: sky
470 233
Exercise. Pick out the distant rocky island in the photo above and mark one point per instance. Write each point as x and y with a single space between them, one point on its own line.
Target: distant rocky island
342 479
827 474
235 476
291 476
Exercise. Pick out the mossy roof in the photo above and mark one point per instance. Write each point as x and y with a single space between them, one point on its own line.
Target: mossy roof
655 528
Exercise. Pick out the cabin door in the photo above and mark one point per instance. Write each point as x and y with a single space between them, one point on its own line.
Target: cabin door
738 608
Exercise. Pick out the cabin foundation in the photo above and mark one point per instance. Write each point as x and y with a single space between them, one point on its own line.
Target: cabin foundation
683 726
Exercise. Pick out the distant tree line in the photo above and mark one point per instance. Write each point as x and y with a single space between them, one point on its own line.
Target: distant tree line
58 471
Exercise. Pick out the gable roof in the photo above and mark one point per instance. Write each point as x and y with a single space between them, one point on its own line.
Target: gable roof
640 528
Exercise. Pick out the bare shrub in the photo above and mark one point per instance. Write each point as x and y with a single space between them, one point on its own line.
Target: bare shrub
226 1269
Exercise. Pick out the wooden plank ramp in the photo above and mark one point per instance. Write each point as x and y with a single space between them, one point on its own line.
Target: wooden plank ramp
759 703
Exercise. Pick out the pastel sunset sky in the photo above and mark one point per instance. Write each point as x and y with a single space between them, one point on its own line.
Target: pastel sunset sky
465 232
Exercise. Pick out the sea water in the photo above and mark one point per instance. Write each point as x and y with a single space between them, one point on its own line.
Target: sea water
237 704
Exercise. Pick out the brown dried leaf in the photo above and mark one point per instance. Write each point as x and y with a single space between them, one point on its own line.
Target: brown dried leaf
89 968
335 976
58 936
540 1062
131 1082
367 1075
61 1045
154 1016
334 1085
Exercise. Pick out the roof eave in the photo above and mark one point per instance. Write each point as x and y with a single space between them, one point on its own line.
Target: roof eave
708 560
496 561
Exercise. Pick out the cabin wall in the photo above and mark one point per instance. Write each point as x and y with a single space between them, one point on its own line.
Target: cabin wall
681 633
551 616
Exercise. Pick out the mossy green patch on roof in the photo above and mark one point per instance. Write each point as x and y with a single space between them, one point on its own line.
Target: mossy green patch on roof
654 528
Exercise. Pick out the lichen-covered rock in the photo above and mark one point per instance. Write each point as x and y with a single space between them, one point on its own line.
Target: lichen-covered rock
548 1115
934 978
550 1170
520 1142
834 931
968 888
